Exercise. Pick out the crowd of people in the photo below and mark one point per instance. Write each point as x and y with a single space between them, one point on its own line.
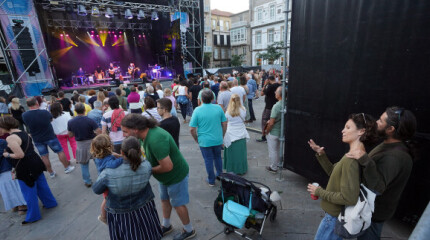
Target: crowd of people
133 133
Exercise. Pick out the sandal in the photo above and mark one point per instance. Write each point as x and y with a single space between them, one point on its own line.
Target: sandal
22 211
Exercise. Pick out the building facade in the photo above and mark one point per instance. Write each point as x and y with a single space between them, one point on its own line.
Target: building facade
267 27
207 41
220 24
240 35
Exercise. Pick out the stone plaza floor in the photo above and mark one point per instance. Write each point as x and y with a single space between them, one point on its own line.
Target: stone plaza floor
78 207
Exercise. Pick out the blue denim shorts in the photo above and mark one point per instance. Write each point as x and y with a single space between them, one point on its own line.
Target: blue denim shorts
54 145
177 193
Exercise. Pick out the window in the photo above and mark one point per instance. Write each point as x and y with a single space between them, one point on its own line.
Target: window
227 27
205 42
236 51
279 10
259 14
216 53
244 50
215 39
270 35
241 18
258 37
221 24
228 40
272 11
282 38
222 40
223 54
213 23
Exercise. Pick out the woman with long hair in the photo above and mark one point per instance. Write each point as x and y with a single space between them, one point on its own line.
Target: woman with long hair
243 83
236 136
17 110
29 169
151 109
344 183
130 207
183 98
59 124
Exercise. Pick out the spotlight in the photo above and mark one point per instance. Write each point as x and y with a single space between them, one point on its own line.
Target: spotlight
109 13
61 35
97 35
114 35
92 35
120 32
141 15
95 11
109 32
140 36
92 31
154 16
67 35
82 11
128 14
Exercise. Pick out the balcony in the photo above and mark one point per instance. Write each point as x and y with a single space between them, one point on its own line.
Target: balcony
239 24
264 21
208 29
237 43
207 49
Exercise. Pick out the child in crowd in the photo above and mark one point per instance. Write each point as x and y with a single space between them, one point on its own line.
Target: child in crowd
101 149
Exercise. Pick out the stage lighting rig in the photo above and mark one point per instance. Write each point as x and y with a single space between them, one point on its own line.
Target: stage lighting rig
154 16
95 12
141 15
128 14
109 13
82 11
68 8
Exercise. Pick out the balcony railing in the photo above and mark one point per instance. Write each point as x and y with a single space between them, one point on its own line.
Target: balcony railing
279 17
239 24
207 48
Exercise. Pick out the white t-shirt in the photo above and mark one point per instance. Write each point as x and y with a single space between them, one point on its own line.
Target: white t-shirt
160 93
59 124
239 91
152 113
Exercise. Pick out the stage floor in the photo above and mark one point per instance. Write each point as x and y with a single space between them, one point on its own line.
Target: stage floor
106 84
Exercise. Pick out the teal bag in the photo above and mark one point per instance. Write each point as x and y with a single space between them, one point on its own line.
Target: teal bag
234 213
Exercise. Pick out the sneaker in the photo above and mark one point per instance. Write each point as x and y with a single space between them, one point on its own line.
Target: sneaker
263 139
210 184
69 169
185 235
269 169
52 175
88 185
166 230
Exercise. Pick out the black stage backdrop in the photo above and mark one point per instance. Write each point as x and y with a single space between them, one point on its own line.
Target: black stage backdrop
357 56
160 44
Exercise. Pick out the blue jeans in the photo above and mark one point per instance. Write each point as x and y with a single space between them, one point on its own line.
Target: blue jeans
212 156
326 229
373 232
54 144
86 172
30 194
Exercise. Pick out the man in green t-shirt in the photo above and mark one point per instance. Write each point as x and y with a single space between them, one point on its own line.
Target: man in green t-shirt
273 131
168 167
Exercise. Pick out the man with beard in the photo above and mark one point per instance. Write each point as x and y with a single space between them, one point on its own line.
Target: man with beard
387 167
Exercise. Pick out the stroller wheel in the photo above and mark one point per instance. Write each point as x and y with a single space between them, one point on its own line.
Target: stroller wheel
273 214
228 230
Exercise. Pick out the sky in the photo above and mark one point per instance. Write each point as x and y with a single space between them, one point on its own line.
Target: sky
233 6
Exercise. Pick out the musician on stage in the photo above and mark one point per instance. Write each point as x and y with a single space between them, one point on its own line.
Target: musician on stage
156 71
131 70
112 70
80 74
99 73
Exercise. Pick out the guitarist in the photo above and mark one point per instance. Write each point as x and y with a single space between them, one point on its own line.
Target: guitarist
112 70
99 73
131 70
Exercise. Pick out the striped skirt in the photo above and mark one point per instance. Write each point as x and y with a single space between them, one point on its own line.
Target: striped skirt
142 223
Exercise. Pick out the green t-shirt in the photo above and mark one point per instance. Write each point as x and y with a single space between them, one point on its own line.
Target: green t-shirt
276 114
159 144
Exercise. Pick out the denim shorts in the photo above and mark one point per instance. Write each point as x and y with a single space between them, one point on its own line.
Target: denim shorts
177 193
54 145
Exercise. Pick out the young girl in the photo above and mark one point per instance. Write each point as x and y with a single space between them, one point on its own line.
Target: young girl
101 149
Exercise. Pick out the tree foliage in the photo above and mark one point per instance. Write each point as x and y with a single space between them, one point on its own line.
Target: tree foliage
236 60
274 52
207 59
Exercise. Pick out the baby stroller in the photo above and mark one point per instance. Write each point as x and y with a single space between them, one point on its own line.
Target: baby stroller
241 191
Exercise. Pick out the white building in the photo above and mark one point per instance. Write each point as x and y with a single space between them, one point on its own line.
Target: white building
267 27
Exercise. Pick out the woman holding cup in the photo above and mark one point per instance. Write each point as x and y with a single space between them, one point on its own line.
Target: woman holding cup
344 183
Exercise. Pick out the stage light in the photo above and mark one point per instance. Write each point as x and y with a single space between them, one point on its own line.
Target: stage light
120 32
82 11
67 35
154 16
61 35
140 35
115 36
69 9
95 11
98 36
109 32
141 15
92 35
128 14
109 13
92 31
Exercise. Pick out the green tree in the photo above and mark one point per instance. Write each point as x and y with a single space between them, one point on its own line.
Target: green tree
207 59
236 60
273 52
